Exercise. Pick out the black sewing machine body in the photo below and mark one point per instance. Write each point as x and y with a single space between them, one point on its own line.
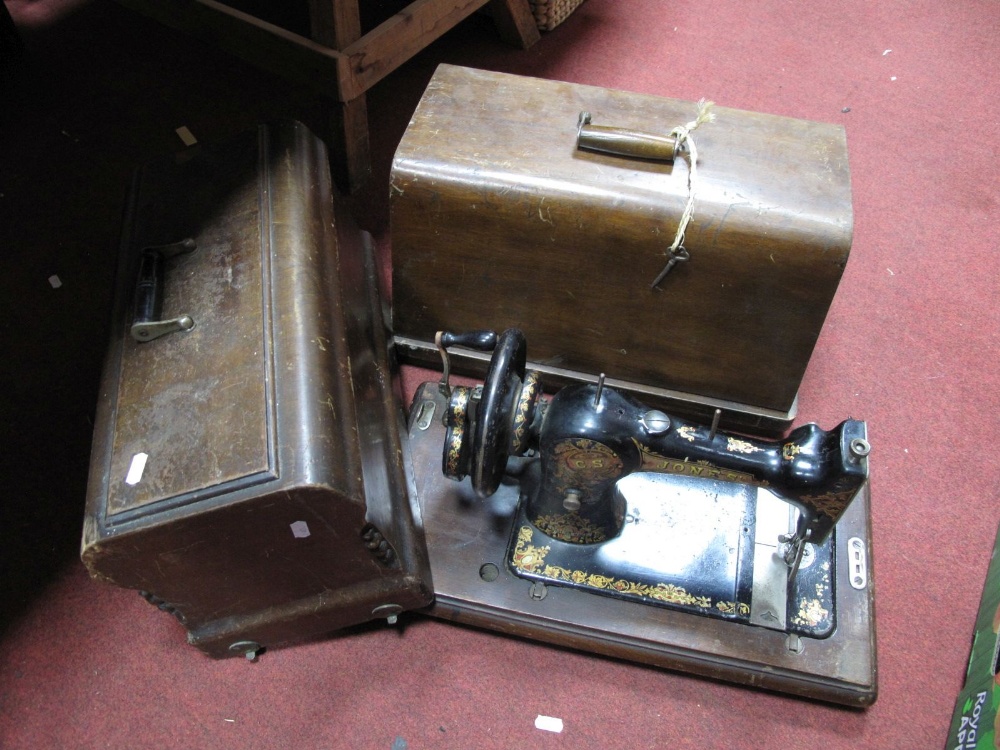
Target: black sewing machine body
592 520
593 437
637 542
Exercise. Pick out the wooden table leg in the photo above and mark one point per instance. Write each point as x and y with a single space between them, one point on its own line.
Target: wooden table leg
515 22
336 24
336 59
350 153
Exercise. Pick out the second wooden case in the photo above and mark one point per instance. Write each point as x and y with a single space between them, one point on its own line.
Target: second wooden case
247 473
499 220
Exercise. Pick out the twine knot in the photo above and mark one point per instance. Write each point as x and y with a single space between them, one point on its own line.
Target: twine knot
684 144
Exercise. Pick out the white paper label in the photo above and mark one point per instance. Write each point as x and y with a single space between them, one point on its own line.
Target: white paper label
300 529
55 281
185 135
548 723
136 468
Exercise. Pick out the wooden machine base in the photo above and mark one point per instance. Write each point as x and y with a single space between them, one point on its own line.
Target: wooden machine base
468 538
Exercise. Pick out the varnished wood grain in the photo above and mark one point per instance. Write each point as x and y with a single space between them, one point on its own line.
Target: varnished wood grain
498 220
272 427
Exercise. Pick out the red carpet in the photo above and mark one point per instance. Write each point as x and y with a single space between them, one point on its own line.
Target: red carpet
910 345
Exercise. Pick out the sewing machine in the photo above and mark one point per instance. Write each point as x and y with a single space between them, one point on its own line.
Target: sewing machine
591 520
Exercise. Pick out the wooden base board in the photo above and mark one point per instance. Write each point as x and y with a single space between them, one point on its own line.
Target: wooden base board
467 541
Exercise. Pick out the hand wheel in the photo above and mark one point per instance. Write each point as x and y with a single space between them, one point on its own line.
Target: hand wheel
493 434
460 415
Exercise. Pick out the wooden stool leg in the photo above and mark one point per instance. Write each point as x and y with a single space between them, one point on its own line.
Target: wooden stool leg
515 22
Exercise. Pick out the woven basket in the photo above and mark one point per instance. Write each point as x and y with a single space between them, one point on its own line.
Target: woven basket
551 13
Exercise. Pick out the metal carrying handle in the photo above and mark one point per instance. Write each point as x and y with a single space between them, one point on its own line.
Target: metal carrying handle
635 144
146 323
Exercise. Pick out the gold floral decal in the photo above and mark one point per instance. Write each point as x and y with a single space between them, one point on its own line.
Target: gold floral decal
830 504
686 433
735 445
584 461
571 527
528 558
790 450
457 410
554 571
733 608
525 411
811 612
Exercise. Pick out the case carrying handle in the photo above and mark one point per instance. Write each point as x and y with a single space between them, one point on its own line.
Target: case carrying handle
146 323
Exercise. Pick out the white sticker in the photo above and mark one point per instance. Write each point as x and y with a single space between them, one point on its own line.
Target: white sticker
186 135
300 529
548 723
136 468
55 281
